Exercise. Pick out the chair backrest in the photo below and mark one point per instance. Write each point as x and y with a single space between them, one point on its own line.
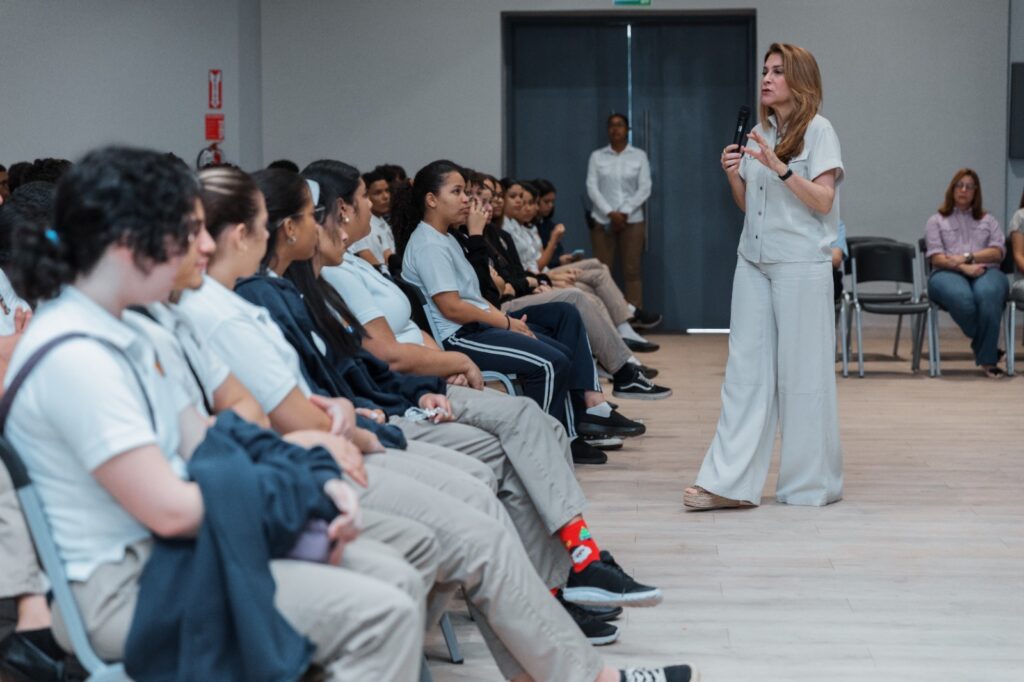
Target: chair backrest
49 558
1007 264
885 261
420 309
851 241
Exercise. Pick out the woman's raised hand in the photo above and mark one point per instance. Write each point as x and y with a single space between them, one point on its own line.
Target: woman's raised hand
479 216
765 154
731 157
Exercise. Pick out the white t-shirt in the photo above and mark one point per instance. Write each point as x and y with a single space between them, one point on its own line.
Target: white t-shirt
9 303
245 337
370 295
778 227
1017 221
435 263
80 407
380 239
181 351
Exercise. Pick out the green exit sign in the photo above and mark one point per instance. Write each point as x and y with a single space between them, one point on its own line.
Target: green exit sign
633 2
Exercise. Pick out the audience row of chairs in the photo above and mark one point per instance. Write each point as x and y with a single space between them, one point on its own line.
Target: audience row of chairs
877 260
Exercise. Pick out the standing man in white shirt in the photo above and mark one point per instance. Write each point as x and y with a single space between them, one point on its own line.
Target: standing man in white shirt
618 183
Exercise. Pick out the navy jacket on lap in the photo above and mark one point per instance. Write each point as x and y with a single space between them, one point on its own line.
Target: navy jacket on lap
205 609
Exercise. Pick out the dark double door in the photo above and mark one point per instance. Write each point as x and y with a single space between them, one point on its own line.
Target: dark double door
681 79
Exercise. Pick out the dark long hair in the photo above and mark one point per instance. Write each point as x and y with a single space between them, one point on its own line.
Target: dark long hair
324 303
285 193
116 195
407 205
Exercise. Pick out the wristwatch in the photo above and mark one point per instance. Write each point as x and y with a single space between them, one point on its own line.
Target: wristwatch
785 176
968 257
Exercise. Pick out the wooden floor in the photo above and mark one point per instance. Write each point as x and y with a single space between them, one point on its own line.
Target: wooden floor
918 574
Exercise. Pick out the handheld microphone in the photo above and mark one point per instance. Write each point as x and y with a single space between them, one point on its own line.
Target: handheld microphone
741 125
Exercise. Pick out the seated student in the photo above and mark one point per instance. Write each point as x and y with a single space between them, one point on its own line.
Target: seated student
109 469
523 626
630 378
377 247
546 225
397 551
965 246
1017 245
550 373
526 448
29 651
589 274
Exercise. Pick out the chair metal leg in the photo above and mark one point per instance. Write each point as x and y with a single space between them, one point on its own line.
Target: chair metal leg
896 341
844 341
860 346
934 356
915 347
425 675
1011 351
454 651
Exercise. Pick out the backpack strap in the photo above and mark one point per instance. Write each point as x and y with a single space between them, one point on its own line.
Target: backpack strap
42 351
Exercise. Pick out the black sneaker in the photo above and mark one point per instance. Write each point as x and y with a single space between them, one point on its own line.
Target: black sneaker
631 382
584 453
613 425
649 372
602 443
597 632
31 656
640 346
670 673
603 613
604 583
644 320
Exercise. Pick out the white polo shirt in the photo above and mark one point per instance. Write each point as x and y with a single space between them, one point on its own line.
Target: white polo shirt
435 263
9 303
379 240
778 227
618 181
80 407
246 338
181 351
370 296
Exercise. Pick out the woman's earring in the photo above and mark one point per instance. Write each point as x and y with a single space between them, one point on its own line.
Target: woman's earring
345 219
291 240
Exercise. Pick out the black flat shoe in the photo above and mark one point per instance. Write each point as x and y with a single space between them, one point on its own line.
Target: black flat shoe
645 320
591 425
584 453
640 346
24 658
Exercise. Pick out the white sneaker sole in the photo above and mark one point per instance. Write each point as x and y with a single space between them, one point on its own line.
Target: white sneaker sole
595 596
604 641
641 396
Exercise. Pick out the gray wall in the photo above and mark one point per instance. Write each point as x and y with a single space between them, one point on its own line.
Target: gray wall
74 75
1014 167
915 88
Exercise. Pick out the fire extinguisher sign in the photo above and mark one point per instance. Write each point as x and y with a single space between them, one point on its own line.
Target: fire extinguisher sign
216 89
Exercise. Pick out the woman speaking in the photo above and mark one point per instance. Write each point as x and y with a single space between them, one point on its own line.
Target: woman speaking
781 368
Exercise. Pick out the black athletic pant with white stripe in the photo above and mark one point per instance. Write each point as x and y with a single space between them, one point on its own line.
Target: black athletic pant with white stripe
551 367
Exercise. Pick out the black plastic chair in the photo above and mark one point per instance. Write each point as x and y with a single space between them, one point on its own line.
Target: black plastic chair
1013 304
887 261
878 297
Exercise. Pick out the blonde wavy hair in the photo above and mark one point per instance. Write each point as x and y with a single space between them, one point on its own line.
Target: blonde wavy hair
804 80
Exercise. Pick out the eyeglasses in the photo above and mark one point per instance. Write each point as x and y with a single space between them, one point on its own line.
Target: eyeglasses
966 186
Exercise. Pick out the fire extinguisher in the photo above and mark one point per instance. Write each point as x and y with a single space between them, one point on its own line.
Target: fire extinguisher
209 156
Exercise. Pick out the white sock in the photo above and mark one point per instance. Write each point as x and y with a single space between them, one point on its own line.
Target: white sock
627 332
632 309
633 361
602 410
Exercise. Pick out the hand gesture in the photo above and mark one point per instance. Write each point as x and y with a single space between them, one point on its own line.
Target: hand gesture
346 525
972 270
376 416
479 216
765 154
731 157
340 410
558 232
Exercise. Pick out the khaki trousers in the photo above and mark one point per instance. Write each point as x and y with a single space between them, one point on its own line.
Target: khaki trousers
19 571
595 278
528 452
524 627
630 244
608 347
363 629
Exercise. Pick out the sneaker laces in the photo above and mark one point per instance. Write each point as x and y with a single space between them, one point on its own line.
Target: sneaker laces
643 675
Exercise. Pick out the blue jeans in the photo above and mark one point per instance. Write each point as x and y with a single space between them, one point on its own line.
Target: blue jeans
976 305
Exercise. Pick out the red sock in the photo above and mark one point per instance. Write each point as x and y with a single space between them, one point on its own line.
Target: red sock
580 544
